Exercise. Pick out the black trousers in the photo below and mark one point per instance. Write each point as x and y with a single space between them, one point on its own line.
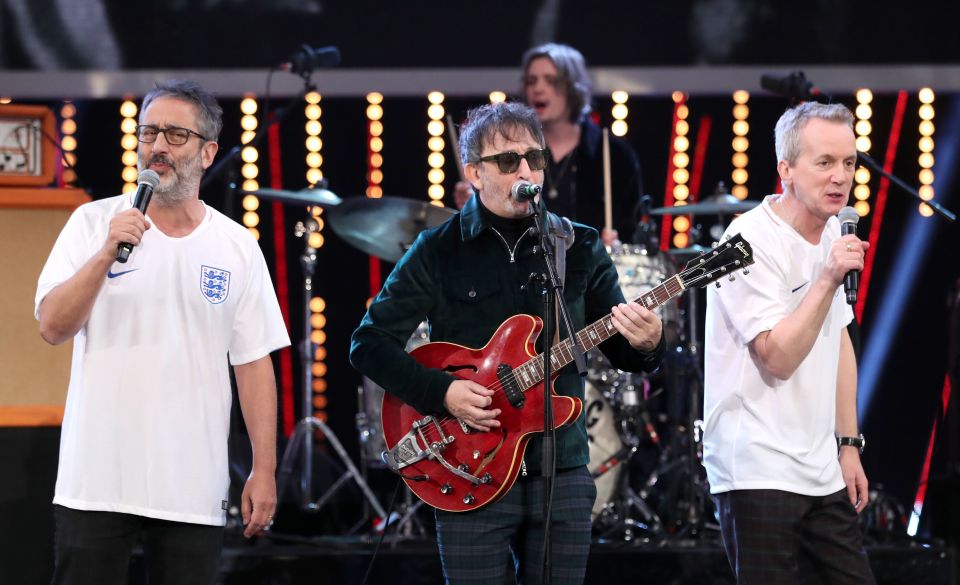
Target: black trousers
94 548
773 537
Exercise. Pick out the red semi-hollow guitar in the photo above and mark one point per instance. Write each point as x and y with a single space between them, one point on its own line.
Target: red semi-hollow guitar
456 468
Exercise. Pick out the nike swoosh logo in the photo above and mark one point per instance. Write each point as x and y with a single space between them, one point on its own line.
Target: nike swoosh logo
799 287
116 274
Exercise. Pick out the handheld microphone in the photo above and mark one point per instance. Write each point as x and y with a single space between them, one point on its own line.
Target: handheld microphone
306 59
794 85
849 217
147 181
525 190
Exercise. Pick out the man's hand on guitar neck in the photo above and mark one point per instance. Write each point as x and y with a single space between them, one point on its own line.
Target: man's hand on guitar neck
470 402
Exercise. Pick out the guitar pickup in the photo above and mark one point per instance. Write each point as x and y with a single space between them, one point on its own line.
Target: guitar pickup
509 384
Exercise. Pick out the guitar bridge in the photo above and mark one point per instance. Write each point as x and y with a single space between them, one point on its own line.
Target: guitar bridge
408 451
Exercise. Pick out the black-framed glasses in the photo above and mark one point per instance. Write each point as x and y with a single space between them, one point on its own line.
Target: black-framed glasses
509 162
173 135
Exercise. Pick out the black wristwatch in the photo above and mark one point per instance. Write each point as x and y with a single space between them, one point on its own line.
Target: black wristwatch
859 442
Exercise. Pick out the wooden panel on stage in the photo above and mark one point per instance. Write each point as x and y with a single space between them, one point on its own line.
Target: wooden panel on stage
33 383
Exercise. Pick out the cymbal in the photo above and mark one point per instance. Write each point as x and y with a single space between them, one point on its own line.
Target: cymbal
384 227
320 197
724 204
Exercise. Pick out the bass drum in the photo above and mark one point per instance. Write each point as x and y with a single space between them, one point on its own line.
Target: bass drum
607 452
370 400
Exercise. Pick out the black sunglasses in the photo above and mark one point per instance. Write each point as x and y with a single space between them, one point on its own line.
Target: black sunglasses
509 162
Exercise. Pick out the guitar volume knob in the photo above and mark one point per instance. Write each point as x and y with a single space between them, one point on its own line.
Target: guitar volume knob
446 489
469 499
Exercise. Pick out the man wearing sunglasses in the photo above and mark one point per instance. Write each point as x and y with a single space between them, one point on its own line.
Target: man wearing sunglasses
466 277
143 452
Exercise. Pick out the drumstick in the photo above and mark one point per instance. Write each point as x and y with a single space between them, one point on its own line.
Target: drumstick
607 199
455 146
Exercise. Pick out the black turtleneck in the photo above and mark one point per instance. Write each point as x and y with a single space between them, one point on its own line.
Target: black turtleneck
510 228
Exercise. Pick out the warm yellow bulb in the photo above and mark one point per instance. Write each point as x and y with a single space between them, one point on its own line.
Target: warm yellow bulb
318 305
374 191
320 353
68 143
861 176
435 128
129 174
619 128
248 106
248 122
314 160
681 159
249 154
739 191
318 337
251 185
741 127
376 176
435 176
619 96
864 96
682 128
864 144
681 240
313 143
376 144
128 158
681 175
67 111
740 159
128 109
69 126
863 127
435 160
926 95
861 191
376 160
250 171
315 240
925 159
312 112
740 144
682 112
375 97
925 176
862 208
739 176
435 112
681 223
925 210
681 192
313 127
741 96
741 111
376 128
620 111
251 203
926 128
128 142
681 144
435 97
435 191
497 97
864 111
312 97
251 219
925 144
435 144
677 97
374 112
246 136
314 176
926 192
926 112
129 188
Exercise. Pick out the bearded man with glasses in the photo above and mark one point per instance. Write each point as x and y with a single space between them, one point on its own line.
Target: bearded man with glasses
143 451
466 277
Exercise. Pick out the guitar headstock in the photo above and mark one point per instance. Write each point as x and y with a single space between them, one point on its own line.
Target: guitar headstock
725 259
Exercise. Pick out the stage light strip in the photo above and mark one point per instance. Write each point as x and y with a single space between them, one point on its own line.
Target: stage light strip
68 143
675 156
740 144
435 144
128 126
863 127
921 496
318 337
925 144
913 247
619 111
374 173
250 169
882 191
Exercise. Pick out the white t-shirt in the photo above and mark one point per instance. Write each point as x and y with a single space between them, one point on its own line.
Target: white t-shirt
760 432
148 406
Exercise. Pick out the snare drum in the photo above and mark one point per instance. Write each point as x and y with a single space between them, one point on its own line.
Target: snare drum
370 400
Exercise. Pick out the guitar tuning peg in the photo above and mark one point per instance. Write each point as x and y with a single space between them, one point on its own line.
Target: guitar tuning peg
746 271
717 283
732 277
714 245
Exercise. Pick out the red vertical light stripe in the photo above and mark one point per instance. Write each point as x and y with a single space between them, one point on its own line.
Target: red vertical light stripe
283 292
882 190
667 221
925 470
375 283
699 155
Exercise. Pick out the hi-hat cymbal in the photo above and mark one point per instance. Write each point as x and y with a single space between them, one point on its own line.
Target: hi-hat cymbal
320 197
724 204
384 227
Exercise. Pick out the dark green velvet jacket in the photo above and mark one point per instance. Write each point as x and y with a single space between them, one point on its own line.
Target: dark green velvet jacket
460 277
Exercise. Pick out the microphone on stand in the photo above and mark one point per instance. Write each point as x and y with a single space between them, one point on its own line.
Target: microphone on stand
525 190
849 217
147 181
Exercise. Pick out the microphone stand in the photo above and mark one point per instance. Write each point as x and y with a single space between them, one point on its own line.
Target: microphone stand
867 161
552 292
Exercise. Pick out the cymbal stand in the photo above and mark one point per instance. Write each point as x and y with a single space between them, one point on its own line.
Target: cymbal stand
301 441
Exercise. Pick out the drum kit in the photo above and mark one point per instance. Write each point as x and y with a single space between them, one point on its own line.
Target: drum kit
643 429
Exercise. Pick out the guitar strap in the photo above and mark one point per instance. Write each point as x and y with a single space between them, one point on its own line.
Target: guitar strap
561 230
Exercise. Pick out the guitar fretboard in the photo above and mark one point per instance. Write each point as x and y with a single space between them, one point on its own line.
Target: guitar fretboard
531 373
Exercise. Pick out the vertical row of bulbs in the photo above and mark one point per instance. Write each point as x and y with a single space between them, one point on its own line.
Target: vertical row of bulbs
681 162
740 144
619 112
925 145
863 128
374 145
435 144
128 126
250 169
68 140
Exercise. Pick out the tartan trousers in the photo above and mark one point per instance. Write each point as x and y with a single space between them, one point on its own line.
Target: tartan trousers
774 537
491 544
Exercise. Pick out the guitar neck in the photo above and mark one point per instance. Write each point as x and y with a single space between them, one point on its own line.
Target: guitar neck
531 373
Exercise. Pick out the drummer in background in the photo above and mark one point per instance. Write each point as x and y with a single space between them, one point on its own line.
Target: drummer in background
556 85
